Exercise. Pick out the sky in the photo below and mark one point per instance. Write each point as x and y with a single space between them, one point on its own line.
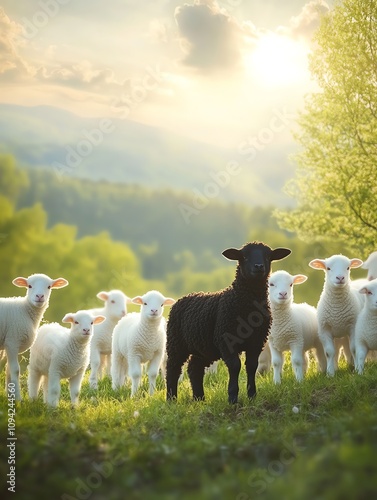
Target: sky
208 70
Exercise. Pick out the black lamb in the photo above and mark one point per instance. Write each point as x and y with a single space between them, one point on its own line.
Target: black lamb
223 324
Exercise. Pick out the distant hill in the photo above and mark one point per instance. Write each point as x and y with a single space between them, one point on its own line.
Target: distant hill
129 152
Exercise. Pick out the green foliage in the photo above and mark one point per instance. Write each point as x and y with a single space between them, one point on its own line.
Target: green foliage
151 222
90 264
102 236
335 184
12 180
302 254
112 446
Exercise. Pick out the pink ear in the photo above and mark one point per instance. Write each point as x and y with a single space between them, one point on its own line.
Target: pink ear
169 302
318 264
99 319
128 300
68 318
59 283
103 296
299 278
21 282
364 290
138 300
356 263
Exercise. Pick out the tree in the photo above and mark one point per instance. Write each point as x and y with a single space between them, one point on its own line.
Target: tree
12 179
336 179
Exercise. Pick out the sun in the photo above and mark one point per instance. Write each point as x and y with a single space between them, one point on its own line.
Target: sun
277 61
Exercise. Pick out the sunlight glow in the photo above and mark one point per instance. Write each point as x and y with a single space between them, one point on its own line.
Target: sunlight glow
277 61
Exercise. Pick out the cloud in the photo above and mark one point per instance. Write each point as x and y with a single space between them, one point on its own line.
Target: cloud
307 21
14 68
12 65
210 37
79 75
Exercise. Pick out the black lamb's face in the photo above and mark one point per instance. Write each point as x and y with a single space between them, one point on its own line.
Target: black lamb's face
255 259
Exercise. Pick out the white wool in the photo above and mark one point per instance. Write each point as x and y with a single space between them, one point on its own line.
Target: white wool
140 338
371 265
60 353
264 360
294 326
365 338
338 306
100 348
20 318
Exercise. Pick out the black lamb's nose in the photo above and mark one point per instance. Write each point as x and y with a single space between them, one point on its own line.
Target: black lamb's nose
258 267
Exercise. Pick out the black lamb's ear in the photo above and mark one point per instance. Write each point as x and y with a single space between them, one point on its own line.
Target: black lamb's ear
232 253
280 253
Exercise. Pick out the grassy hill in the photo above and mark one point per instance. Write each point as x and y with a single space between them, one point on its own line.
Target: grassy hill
316 440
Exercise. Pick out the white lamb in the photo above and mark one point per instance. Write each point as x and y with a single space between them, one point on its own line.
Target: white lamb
365 338
294 327
338 307
140 338
20 318
100 347
371 265
60 353
264 360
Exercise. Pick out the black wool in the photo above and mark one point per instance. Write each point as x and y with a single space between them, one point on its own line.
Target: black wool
206 327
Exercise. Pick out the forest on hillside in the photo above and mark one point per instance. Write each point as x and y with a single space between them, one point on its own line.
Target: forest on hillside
164 227
101 236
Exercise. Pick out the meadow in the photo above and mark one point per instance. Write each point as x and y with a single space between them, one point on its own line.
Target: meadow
316 440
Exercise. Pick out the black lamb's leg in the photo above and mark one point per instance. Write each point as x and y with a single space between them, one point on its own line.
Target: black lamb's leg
195 369
234 367
251 364
173 371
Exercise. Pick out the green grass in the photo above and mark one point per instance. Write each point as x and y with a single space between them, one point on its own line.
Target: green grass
113 447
